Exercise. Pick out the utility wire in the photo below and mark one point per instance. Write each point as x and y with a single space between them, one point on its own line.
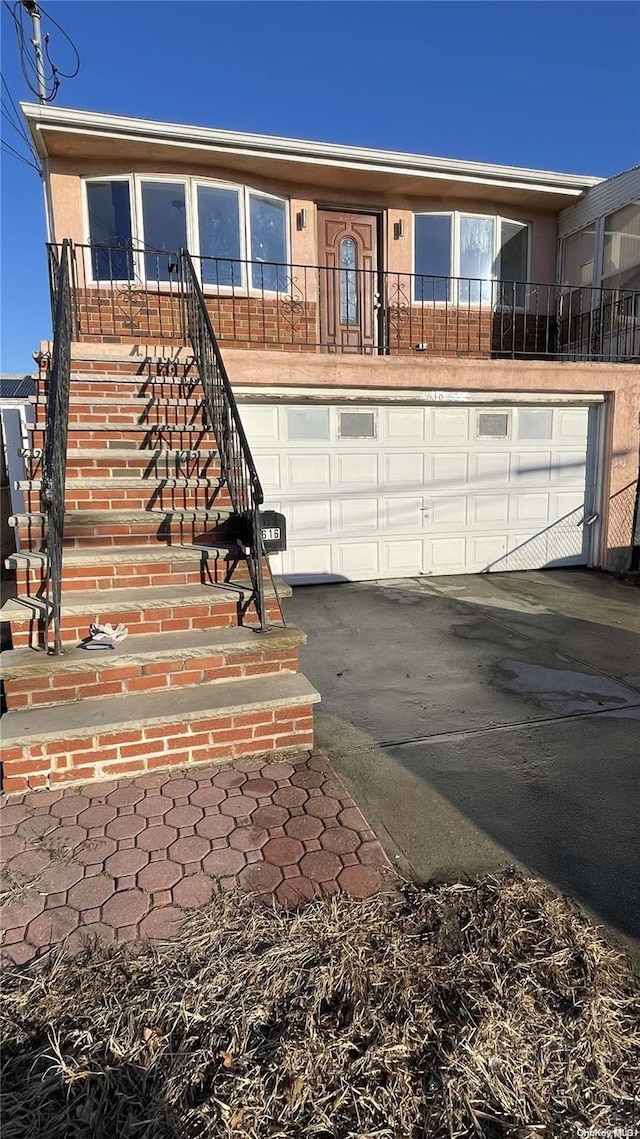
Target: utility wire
20 157
16 122
27 65
64 74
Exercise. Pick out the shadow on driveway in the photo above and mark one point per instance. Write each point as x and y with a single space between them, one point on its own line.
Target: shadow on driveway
482 721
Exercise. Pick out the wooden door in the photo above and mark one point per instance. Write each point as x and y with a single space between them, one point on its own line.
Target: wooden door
348 246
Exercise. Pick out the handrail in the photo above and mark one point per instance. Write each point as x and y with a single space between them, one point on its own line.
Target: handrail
236 461
54 462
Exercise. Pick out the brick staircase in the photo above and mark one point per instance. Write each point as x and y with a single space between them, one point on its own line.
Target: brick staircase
149 542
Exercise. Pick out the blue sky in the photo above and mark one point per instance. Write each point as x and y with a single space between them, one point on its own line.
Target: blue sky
553 85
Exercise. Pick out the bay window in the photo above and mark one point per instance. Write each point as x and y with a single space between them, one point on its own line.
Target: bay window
238 236
457 257
621 252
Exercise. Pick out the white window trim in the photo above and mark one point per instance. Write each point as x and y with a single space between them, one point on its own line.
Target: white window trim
454 254
243 191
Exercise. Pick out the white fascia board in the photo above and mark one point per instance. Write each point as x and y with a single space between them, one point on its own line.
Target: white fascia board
296 150
249 394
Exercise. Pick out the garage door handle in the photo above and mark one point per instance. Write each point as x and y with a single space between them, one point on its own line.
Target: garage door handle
588 521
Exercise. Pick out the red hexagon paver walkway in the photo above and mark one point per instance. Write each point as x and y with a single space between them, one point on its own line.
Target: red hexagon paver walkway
125 860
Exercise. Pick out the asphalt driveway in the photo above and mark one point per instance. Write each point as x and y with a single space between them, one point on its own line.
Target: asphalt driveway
488 721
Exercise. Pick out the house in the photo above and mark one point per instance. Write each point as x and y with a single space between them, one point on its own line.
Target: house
427 366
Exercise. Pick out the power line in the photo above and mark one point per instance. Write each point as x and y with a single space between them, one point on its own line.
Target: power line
44 86
16 122
64 74
14 153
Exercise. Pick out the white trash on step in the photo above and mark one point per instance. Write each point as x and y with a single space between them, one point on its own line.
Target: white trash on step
105 636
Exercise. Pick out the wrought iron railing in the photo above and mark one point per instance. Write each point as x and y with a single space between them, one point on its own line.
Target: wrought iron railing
237 467
126 293
54 460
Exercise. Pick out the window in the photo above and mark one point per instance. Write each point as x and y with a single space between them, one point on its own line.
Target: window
578 257
219 235
348 292
308 423
357 424
142 232
268 243
621 254
476 249
432 257
164 224
493 424
109 211
476 259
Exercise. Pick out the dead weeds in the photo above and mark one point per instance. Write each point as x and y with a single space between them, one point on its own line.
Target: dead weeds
493 1009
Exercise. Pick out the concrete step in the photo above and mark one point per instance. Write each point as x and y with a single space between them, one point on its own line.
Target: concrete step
144 663
133 493
130 735
125 527
146 383
161 609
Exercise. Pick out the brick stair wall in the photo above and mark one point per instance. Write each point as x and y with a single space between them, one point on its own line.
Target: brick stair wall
149 542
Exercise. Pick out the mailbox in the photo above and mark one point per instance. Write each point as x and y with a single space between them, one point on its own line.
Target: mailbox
274 531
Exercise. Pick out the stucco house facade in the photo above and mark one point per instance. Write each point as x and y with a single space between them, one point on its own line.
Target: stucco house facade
427 366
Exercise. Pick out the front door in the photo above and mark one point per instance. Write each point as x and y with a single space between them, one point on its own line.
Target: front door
347 246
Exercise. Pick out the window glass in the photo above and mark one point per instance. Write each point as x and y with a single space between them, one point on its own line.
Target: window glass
357 425
622 239
348 293
578 257
513 262
165 227
308 423
476 259
268 243
432 257
109 208
493 424
219 230
534 423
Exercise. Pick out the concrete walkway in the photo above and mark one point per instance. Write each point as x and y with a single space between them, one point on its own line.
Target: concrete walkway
124 860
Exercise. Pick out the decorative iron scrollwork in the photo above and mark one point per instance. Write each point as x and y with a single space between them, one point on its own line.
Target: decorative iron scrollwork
291 302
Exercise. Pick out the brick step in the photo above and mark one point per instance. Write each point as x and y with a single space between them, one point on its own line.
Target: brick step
132 412
146 664
147 383
133 494
132 462
129 735
97 568
126 527
140 437
163 609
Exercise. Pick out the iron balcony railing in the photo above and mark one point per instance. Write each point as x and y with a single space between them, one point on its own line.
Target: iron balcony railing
123 293
54 459
236 461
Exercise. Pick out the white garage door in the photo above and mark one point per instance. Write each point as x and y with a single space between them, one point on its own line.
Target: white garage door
398 490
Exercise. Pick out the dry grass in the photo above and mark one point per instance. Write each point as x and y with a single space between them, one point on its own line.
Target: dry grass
486 1010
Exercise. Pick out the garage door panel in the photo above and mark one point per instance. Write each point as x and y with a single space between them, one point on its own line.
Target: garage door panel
449 423
404 424
360 514
490 468
440 491
532 467
447 511
357 561
406 470
402 513
488 509
358 470
309 517
309 471
448 469
404 557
